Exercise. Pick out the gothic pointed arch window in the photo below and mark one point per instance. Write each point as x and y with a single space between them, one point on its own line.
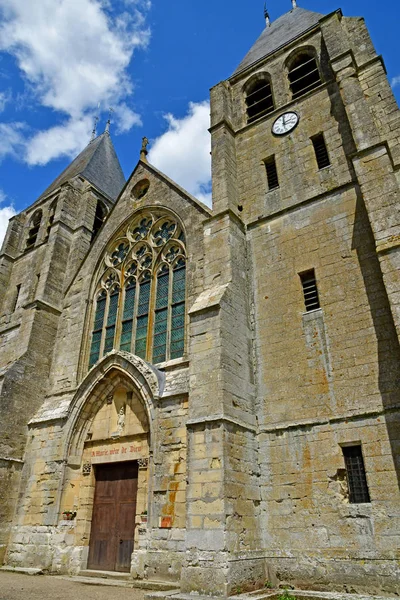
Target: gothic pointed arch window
140 297
99 218
34 227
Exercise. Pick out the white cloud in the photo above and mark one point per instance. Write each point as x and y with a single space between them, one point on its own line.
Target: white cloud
5 214
126 118
74 54
11 140
5 97
183 151
67 139
396 81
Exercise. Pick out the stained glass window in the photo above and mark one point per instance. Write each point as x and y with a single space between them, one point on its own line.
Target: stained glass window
111 321
161 317
178 309
98 328
141 294
142 320
127 318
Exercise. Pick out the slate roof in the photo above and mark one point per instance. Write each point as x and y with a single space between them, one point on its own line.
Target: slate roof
282 31
99 164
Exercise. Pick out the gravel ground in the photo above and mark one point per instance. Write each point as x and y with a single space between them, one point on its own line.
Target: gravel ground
15 586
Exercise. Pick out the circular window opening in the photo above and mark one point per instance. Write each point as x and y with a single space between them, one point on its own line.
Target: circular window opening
141 189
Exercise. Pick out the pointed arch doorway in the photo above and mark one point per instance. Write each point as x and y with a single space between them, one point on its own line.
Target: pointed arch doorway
107 477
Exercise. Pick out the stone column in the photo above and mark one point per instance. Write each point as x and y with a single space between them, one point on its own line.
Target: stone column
223 492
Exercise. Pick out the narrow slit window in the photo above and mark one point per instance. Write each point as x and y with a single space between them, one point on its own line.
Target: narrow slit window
16 298
272 173
304 75
259 100
321 151
310 290
356 477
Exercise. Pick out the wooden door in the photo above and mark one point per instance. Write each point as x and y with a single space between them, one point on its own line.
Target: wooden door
113 522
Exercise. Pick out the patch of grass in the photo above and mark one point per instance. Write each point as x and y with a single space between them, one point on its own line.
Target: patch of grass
286 596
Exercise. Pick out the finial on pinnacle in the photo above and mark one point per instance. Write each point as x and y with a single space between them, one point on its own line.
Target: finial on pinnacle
96 120
294 3
266 16
143 151
110 111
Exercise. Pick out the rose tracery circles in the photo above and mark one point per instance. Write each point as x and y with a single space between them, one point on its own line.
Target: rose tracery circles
163 232
110 279
141 231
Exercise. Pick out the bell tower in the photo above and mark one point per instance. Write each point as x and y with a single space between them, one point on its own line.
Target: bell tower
302 266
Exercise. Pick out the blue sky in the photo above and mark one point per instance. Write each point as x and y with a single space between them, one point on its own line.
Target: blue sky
153 61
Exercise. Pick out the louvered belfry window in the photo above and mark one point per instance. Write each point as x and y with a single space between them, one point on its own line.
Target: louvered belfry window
356 477
34 227
321 152
259 100
272 173
140 297
310 290
304 75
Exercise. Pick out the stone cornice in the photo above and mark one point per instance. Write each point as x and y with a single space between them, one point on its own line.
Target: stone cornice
330 420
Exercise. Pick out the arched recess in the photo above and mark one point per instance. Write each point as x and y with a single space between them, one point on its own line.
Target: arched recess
258 96
117 368
303 70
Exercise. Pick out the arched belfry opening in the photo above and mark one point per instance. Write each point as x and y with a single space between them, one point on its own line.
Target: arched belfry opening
109 448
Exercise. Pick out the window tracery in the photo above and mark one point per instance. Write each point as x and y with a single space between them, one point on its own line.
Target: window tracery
140 297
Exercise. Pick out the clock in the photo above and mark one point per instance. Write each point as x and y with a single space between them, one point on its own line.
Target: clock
285 123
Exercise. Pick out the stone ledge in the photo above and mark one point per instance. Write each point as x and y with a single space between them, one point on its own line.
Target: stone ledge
220 419
23 571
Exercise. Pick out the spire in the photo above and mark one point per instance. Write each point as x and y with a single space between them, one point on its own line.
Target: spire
280 32
266 16
98 164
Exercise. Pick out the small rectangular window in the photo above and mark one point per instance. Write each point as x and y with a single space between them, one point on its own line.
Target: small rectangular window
356 478
310 290
272 173
321 152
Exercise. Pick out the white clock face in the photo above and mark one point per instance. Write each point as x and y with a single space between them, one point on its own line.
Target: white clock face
285 123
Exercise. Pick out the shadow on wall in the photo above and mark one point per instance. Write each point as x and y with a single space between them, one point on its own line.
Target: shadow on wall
388 343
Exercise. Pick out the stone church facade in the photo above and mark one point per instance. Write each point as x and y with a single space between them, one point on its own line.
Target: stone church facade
211 396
